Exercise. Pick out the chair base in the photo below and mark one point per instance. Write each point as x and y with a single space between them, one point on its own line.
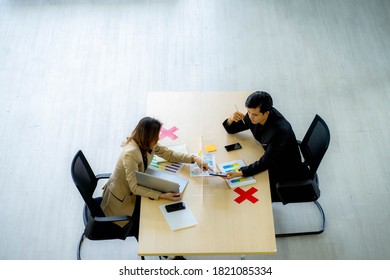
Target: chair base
307 232
79 248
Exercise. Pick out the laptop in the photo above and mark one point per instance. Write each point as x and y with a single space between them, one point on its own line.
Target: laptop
161 181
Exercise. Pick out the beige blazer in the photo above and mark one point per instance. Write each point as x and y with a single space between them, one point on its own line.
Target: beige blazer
120 191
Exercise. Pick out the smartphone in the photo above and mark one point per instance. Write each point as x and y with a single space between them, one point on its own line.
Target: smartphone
220 174
233 147
175 207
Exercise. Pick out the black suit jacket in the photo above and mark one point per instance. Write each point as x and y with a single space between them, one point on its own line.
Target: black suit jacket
281 157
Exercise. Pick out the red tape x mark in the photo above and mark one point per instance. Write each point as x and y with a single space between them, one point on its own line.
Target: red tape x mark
170 133
246 195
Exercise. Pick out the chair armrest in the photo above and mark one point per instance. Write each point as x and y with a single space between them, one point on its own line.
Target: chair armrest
111 219
103 176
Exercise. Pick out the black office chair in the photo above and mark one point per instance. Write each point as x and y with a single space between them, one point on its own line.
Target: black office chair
97 225
313 148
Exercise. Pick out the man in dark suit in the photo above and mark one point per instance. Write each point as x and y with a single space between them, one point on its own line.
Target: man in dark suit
281 156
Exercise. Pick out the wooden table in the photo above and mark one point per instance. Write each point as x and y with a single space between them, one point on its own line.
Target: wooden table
224 226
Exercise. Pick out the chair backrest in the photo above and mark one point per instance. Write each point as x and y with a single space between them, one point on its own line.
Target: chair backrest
85 180
315 143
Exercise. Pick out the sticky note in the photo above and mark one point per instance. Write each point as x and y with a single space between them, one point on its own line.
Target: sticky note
210 148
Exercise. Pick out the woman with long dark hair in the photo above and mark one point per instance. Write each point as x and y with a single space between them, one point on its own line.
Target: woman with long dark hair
121 194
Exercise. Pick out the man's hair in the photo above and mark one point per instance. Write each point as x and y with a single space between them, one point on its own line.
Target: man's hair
261 100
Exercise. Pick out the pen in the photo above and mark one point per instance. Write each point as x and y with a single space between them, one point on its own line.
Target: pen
238 111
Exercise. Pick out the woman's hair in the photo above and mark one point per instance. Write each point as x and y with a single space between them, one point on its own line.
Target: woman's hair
145 133
261 100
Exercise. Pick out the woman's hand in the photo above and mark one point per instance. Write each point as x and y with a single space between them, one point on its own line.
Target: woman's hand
202 164
231 175
171 196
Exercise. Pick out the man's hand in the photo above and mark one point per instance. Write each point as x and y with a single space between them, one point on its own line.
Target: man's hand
231 175
236 117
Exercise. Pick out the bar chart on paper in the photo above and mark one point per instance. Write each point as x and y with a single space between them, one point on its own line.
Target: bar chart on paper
161 164
196 171
234 166
169 167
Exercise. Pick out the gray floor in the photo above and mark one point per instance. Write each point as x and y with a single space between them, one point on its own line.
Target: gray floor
74 74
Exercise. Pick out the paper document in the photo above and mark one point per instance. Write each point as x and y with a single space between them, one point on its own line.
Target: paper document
161 164
196 171
234 166
179 219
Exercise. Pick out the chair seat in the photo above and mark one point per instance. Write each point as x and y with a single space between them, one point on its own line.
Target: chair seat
298 190
103 230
